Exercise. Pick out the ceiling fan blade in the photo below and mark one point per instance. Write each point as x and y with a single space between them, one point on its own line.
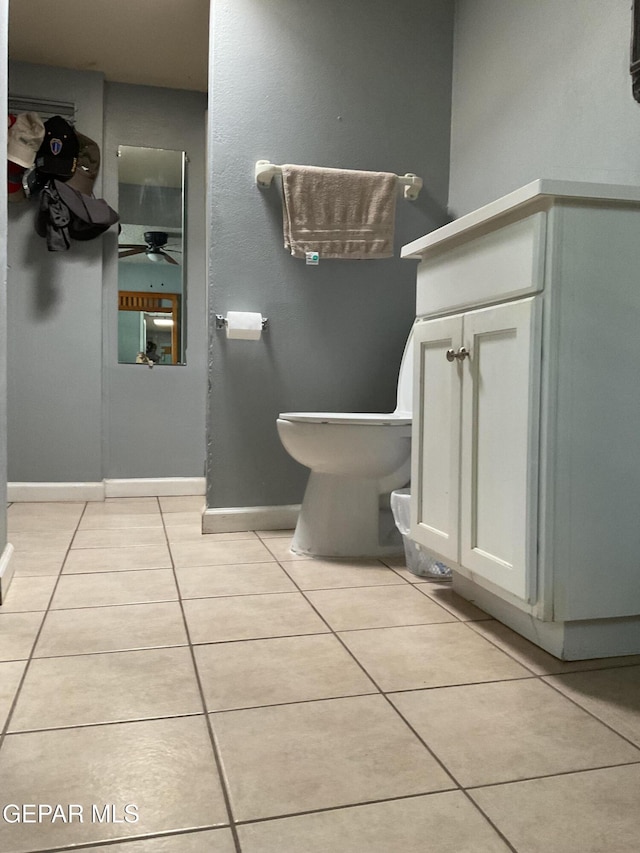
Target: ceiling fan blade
131 246
126 254
167 258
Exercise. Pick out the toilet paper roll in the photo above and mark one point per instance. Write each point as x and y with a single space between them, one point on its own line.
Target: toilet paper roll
245 325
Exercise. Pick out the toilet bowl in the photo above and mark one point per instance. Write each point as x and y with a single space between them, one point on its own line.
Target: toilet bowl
356 460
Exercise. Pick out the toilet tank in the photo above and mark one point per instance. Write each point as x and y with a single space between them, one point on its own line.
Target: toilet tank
404 399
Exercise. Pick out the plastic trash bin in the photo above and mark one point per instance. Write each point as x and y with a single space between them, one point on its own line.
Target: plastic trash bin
418 561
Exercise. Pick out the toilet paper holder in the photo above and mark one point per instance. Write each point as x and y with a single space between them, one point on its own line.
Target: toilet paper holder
221 322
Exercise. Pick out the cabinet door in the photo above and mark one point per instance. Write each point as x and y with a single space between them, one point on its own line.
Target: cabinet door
436 437
498 463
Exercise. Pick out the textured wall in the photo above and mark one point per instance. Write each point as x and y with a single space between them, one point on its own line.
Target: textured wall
55 319
541 90
364 84
74 413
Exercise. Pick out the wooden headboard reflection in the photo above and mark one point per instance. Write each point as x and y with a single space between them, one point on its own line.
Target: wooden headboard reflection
136 300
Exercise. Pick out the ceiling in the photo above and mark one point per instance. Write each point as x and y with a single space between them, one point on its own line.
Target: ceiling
147 42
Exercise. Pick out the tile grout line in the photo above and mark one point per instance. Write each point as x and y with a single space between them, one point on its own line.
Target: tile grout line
397 712
454 617
266 639
207 714
381 692
446 770
507 652
343 807
105 723
553 775
131 839
512 655
94 607
99 572
217 757
591 713
4 731
468 790
159 647
419 738
541 676
422 589
5 728
489 820
384 694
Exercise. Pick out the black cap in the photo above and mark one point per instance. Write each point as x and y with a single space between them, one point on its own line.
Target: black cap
58 154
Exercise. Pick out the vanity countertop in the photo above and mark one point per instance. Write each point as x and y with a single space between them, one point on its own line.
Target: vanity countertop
530 195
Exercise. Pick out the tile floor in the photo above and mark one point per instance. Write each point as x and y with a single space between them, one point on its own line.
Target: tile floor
244 699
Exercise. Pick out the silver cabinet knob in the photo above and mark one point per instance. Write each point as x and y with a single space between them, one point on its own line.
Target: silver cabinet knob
462 353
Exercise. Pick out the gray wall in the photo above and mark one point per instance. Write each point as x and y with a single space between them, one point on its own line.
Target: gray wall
155 419
541 90
74 414
55 319
4 15
363 85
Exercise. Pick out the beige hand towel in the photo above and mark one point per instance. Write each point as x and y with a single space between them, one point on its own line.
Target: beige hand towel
338 213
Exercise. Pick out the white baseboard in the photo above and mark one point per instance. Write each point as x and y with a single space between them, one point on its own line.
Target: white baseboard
235 518
143 487
24 492
6 571
154 487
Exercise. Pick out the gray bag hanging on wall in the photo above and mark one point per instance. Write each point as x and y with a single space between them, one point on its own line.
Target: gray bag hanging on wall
53 219
90 216
66 214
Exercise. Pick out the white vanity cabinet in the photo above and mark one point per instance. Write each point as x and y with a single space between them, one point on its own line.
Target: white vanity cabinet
526 432
475 441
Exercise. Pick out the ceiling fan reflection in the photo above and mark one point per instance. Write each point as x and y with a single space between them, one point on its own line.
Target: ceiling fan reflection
154 247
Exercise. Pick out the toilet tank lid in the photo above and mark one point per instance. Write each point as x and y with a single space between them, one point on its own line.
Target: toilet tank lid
372 418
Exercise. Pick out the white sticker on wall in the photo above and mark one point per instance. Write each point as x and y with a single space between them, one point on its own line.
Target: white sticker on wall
312 258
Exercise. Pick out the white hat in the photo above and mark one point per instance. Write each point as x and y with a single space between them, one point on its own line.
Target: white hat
24 138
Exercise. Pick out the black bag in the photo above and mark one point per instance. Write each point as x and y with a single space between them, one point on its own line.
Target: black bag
53 219
66 214
90 216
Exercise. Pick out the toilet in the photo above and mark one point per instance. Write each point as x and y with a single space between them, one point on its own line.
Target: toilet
356 459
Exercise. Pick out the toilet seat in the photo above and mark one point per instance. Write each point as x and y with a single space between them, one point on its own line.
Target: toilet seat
355 460
366 418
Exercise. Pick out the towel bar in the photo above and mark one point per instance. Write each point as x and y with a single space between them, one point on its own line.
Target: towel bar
265 172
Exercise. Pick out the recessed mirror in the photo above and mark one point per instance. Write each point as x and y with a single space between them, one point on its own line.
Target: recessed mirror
151 281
